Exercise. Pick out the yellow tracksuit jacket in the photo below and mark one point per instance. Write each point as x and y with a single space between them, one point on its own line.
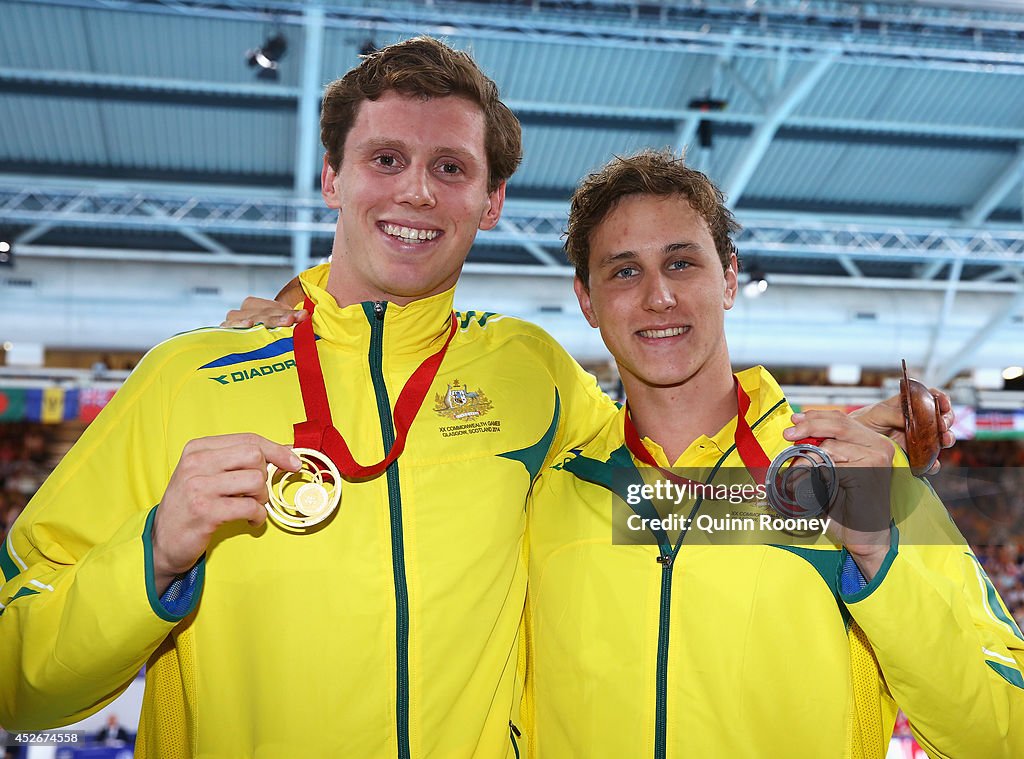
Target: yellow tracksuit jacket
390 632
754 650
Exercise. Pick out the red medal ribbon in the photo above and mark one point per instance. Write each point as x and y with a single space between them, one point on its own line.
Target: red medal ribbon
751 452
639 451
318 431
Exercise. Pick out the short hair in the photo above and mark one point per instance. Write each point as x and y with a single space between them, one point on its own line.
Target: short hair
651 172
422 67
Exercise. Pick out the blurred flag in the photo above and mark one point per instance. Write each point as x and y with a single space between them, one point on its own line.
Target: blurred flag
45 404
91 401
995 424
12 404
965 426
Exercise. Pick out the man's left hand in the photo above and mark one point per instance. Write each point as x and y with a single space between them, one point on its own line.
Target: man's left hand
886 418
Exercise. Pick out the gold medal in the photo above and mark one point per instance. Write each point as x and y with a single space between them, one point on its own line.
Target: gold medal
305 498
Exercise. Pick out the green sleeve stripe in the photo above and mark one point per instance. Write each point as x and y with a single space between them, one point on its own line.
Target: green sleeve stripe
1011 675
7 565
22 593
992 601
154 598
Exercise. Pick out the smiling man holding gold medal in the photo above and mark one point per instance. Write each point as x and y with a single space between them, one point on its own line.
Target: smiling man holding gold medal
379 615
390 628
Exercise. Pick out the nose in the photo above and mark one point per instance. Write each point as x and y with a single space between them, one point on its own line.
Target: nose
658 293
414 187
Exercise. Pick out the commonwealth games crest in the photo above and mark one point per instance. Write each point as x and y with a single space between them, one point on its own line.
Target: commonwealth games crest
458 402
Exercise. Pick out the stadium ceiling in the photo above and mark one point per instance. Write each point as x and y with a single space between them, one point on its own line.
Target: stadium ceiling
861 144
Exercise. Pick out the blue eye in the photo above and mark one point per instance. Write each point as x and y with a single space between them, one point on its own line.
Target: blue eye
627 272
679 265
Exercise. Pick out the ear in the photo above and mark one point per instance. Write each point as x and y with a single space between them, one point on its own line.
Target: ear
731 283
495 202
583 296
327 189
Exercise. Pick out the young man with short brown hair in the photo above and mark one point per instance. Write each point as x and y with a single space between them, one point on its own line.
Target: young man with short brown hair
715 636
391 629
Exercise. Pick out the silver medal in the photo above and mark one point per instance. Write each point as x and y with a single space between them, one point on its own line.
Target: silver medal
802 492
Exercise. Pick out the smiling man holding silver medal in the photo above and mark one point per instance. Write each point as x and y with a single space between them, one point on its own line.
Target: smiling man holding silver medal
749 643
389 628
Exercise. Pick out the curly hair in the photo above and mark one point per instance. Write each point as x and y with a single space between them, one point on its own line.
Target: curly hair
650 172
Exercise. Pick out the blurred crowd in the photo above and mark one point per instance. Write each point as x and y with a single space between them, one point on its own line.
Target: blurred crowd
24 465
982 485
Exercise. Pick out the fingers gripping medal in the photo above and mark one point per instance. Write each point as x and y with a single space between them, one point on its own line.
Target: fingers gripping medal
791 491
305 498
802 491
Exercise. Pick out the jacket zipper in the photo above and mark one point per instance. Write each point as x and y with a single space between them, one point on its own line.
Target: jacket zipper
667 560
376 360
661 682
513 733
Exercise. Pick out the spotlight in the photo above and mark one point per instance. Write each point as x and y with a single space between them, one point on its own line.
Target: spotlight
757 285
266 58
705 129
6 256
369 47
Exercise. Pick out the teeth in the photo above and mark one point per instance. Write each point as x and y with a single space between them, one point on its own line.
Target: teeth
408 233
670 332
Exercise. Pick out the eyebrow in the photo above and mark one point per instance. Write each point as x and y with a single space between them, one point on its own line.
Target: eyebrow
629 255
385 144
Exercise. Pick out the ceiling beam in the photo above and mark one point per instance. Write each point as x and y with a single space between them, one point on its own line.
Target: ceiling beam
894 38
685 132
308 133
531 246
850 267
259 95
790 235
931 355
785 102
35 232
952 366
65 252
199 238
997 191
929 271
91 83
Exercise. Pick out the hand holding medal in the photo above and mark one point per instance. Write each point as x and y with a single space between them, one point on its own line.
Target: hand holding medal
811 490
218 479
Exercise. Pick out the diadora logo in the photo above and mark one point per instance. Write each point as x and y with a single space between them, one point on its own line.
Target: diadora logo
243 375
